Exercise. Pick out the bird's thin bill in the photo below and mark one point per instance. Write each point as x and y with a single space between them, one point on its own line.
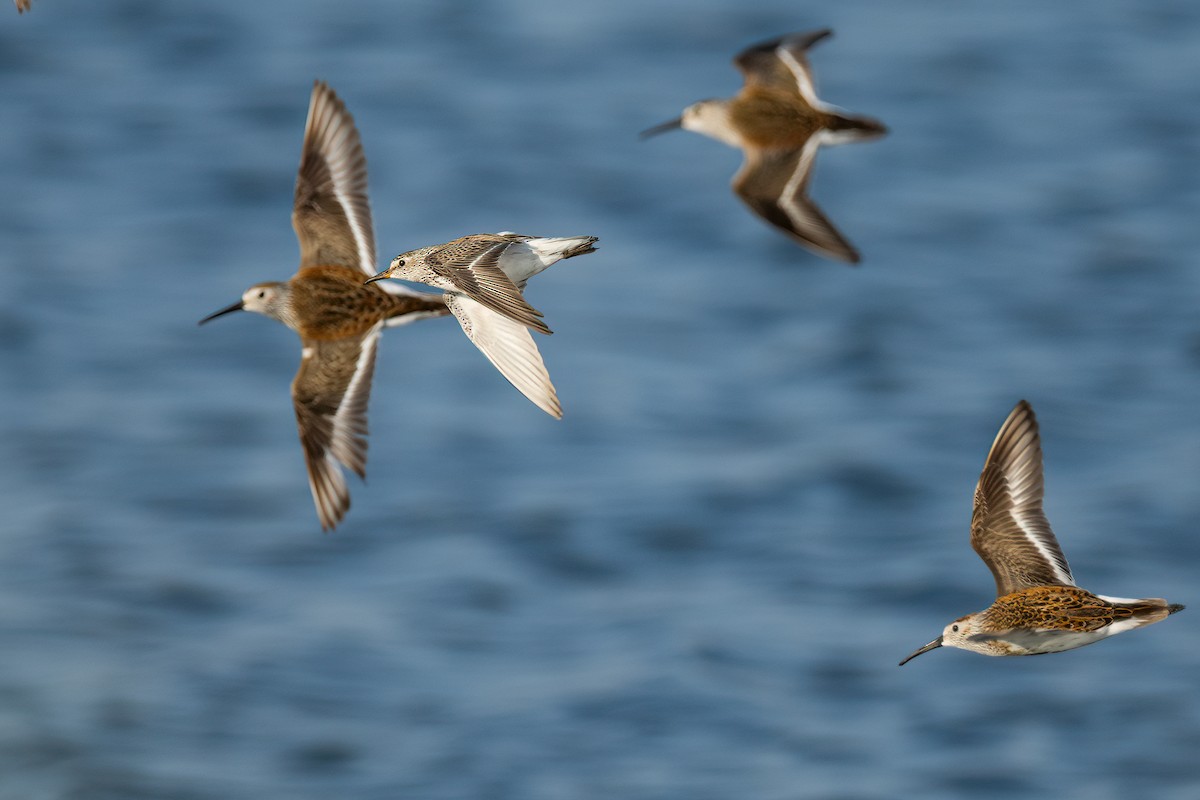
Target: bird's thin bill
670 125
373 278
936 643
235 307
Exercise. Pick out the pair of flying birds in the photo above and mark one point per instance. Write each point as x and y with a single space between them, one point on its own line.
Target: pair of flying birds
338 306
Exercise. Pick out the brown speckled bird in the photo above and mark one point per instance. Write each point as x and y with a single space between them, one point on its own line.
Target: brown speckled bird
337 317
1038 608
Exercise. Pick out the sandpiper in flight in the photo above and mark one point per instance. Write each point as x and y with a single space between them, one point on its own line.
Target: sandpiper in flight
338 318
1038 608
779 123
483 278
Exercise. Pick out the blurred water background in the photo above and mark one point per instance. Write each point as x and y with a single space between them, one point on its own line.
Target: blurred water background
699 583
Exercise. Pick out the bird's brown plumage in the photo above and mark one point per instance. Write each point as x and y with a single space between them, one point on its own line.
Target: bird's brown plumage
1009 529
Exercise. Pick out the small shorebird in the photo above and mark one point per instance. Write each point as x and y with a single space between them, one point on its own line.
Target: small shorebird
483 279
338 318
779 123
1038 607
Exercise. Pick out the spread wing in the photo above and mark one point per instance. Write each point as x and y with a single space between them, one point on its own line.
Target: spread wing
472 266
1009 530
510 348
781 63
330 393
331 214
774 184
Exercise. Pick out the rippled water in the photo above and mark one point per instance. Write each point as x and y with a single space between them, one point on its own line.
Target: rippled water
699 583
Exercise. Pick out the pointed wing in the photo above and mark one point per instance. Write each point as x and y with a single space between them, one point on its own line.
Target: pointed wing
330 393
472 266
510 348
1009 530
781 63
774 184
331 214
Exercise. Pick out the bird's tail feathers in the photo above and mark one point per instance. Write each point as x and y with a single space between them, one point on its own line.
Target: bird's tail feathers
842 128
554 249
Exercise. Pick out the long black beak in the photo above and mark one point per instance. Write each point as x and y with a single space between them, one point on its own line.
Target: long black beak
935 644
381 276
235 307
670 125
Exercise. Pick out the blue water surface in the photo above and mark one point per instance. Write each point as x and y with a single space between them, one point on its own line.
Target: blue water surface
698 584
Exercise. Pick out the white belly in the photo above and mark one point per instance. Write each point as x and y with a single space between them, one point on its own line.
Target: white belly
1032 642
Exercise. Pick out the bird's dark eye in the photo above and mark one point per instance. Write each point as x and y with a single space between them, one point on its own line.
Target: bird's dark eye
262 293
954 628
400 263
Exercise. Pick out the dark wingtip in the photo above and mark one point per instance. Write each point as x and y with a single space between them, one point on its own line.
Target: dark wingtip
801 40
1024 406
807 40
1171 609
